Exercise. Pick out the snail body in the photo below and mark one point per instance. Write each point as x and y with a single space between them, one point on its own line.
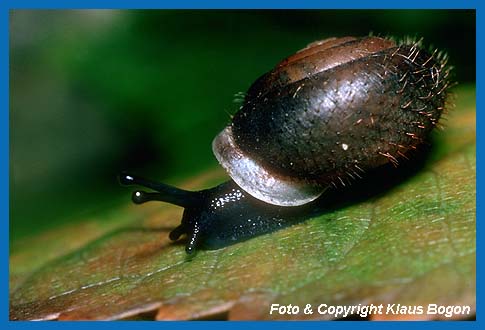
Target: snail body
321 118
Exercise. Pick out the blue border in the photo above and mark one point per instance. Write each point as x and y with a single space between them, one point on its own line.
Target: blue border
6 5
4 160
239 4
480 119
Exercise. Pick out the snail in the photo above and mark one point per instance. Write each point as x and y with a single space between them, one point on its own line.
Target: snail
321 118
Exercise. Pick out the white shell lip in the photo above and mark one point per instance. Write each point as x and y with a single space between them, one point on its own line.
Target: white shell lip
258 181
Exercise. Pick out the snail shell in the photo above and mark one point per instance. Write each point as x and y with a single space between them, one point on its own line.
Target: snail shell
329 113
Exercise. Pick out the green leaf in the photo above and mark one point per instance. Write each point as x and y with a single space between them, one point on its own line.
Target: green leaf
412 245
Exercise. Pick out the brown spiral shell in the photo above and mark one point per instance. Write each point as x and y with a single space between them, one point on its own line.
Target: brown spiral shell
329 113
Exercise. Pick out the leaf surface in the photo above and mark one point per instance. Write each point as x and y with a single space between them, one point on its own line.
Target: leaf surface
413 245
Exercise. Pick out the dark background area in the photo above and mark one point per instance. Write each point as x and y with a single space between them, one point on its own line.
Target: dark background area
94 92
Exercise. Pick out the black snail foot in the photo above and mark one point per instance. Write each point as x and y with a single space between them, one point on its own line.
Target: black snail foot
215 217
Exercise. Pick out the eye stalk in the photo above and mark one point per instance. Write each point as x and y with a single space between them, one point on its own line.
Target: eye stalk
219 216
189 200
166 193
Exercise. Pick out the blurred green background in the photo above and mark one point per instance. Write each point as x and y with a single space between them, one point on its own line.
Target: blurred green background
94 92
